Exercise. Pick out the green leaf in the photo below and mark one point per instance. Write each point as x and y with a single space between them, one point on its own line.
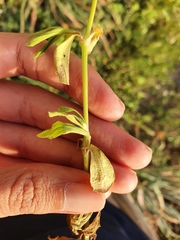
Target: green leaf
61 59
60 128
46 46
76 118
45 34
102 174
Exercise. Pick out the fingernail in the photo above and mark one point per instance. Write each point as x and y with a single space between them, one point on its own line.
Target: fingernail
122 107
117 110
107 194
149 149
121 103
80 198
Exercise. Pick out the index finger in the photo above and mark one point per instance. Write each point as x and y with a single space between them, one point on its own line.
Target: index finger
18 59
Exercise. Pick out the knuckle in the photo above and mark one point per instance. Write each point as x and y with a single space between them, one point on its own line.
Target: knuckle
26 193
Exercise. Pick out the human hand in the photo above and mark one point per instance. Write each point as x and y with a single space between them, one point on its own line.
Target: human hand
45 176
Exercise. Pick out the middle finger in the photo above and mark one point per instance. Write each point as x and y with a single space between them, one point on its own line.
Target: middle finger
24 143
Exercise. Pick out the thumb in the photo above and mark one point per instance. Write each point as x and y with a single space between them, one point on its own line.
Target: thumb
36 188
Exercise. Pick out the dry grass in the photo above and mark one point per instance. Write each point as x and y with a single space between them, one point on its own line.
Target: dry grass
158 195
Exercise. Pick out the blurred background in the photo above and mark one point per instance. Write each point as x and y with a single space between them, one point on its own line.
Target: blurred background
139 57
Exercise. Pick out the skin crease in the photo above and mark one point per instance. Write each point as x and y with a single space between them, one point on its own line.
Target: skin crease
45 176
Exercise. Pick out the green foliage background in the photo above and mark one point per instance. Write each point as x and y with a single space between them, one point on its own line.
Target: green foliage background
138 56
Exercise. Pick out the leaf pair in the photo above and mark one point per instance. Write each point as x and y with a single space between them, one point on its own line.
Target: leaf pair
59 128
63 39
75 118
93 38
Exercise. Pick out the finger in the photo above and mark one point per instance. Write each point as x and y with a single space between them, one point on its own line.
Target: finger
119 145
7 160
25 144
125 181
18 59
29 105
44 188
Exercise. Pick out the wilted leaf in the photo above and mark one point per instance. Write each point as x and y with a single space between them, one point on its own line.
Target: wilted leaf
101 171
61 128
61 59
81 226
77 221
61 238
93 38
92 228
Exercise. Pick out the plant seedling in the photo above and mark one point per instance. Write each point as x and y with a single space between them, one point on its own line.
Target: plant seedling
95 162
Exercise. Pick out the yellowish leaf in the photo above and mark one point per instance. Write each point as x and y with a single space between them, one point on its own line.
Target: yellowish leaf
61 59
102 174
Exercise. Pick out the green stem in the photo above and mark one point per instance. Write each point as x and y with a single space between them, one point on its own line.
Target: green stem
84 48
85 82
91 19
86 140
